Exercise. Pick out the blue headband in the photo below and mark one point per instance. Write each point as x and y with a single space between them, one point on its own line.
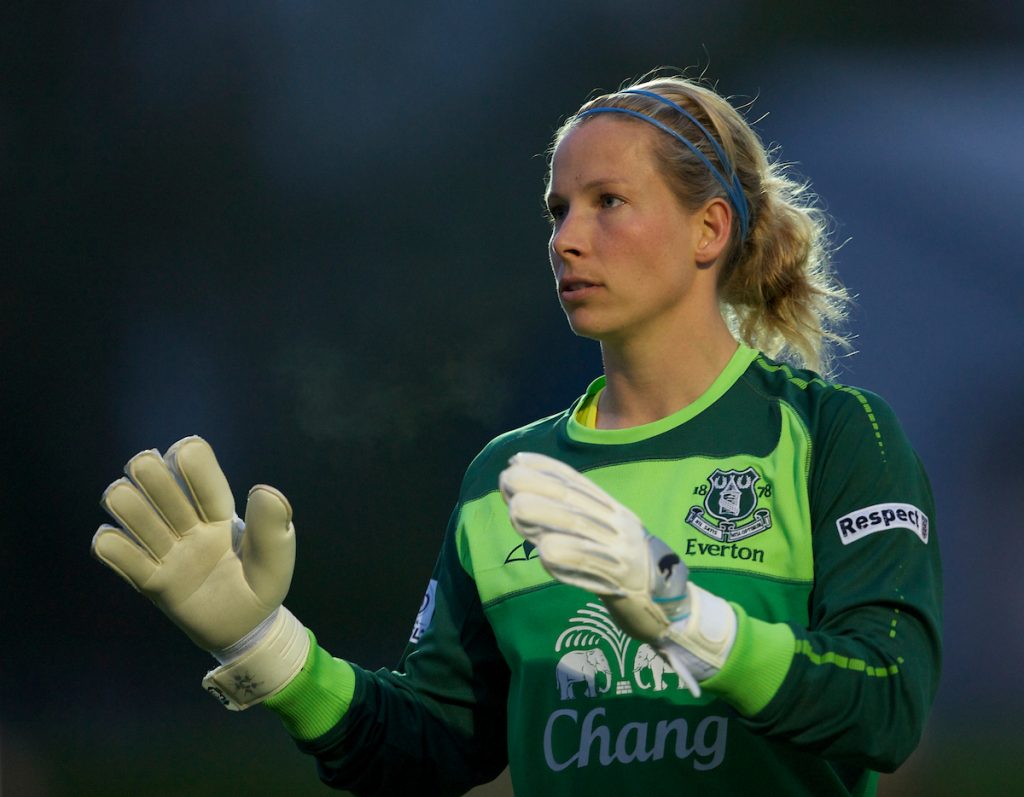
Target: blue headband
732 186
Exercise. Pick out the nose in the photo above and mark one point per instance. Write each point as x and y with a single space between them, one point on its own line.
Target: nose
567 237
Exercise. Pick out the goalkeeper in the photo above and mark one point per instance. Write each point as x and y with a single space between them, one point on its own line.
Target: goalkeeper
715 572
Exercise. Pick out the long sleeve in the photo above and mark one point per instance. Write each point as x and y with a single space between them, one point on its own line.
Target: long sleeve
862 675
436 725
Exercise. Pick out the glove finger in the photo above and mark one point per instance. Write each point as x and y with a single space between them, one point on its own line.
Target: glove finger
542 462
126 503
517 479
268 547
129 560
150 472
588 581
193 462
552 470
533 514
678 663
582 564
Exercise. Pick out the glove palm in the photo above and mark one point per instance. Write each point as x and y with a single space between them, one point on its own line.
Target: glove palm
220 580
183 547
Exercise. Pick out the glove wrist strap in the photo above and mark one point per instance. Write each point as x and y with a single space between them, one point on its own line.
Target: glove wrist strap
698 645
261 664
251 640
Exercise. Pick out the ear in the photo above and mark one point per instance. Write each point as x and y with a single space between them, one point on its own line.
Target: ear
715 224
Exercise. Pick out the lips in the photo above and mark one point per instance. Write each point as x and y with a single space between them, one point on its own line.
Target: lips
575 287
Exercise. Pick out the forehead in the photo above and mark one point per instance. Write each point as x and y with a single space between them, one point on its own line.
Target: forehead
609 145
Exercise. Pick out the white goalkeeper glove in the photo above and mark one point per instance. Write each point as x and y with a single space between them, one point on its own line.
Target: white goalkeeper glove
220 580
586 538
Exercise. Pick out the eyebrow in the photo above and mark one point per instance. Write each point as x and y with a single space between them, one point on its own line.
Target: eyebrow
590 184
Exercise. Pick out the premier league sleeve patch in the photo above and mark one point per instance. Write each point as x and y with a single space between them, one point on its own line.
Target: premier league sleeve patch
426 612
882 517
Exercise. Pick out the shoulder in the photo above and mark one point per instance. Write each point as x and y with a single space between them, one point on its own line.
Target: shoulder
826 408
482 474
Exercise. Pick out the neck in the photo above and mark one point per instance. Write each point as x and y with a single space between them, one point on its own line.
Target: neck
652 379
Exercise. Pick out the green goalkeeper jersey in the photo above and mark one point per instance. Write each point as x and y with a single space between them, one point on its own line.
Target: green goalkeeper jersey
798 500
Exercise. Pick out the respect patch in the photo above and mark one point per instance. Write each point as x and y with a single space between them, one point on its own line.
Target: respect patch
882 517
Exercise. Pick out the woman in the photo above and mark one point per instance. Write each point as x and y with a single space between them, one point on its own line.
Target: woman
742 591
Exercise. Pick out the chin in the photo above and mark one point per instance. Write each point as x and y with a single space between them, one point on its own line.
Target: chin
586 323
590 331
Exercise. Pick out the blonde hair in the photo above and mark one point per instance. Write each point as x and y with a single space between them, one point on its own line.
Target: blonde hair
777 289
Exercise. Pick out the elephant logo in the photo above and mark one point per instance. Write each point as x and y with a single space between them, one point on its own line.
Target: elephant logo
582 665
589 646
596 652
647 658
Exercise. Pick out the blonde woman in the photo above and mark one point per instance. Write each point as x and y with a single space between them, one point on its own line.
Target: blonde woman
715 572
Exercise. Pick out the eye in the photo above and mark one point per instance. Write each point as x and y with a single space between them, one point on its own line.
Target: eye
610 201
556 212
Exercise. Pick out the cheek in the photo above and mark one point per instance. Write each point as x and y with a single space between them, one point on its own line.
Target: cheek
636 243
619 237
664 248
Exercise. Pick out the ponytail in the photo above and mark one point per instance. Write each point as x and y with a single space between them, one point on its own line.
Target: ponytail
778 291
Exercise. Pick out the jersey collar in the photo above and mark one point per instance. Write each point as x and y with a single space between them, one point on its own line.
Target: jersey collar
739 362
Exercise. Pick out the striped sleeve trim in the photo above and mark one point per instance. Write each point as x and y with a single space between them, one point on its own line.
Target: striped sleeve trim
803 648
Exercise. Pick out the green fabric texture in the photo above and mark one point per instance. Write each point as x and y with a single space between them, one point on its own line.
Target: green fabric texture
316 699
757 664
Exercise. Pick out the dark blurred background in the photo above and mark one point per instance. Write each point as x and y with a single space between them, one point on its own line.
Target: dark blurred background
312 233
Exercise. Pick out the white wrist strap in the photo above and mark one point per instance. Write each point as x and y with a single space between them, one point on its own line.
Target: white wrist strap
696 646
248 642
261 663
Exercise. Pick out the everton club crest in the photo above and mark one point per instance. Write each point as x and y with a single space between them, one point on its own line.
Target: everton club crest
730 510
